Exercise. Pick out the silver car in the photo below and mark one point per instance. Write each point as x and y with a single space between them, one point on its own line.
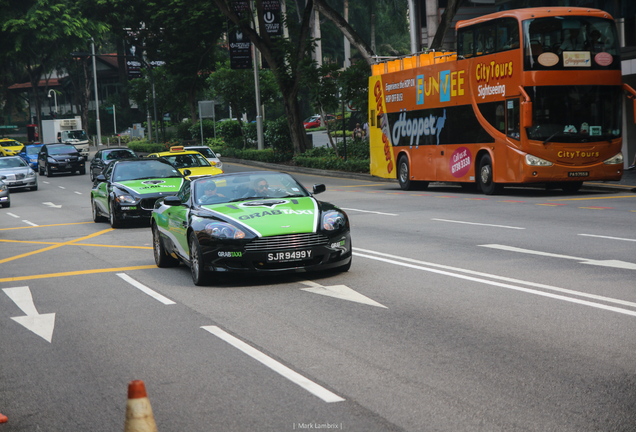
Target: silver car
5 196
18 174
208 153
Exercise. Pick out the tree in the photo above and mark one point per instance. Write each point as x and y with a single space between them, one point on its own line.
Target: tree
232 86
446 21
287 58
40 34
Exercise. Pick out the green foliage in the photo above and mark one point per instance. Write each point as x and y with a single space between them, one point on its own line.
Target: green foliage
230 132
143 146
277 136
208 130
333 163
183 130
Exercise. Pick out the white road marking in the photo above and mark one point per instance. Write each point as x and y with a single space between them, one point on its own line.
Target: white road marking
295 377
61 187
50 204
608 237
145 289
41 325
368 211
603 263
29 223
12 215
503 278
79 193
475 223
340 291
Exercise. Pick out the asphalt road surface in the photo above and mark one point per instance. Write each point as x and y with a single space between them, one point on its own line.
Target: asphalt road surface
461 312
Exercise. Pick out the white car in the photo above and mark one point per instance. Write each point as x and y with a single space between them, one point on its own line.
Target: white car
18 174
209 155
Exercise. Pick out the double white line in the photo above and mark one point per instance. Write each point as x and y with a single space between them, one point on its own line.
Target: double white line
506 282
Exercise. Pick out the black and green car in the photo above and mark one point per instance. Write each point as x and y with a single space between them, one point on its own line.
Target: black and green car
127 190
249 222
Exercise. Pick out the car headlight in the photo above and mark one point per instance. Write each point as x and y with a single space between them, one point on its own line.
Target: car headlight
80 159
333 220
223 230
125 199
51 160
31 173
3 187
537 161
614 160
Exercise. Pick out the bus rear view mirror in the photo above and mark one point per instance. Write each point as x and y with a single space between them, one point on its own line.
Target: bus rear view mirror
526 114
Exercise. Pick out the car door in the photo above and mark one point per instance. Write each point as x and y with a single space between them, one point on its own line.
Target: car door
96 167
42 156
102 189
177 217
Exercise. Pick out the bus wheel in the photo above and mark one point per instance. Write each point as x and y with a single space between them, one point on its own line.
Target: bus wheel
485 177
403 173
571 187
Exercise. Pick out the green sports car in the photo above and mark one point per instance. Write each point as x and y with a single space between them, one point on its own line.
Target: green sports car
249 222
127 190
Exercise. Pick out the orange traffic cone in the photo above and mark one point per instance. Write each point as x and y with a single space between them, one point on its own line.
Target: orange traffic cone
139 416
3 418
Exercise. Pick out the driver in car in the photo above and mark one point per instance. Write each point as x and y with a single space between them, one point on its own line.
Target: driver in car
210 194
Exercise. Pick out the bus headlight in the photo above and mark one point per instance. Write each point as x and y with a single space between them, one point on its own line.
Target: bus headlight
536 161
614 160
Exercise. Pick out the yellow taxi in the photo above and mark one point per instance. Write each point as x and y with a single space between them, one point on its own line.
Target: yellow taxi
192 164
10 147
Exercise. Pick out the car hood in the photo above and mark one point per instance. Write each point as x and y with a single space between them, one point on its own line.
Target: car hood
151 186
14 171
272 216
63 157
201 171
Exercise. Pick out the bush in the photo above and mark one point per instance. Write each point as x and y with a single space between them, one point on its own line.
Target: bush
194 130
143 146
278 137
230 132
333 163
183 130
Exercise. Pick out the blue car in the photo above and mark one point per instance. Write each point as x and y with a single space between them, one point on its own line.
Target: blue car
30 154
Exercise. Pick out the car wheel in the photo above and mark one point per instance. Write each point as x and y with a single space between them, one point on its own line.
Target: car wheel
162 258
96 216
82 171
34 188
114 221
5 205
199 276
40 170
48 171
485 177
92 175
404 176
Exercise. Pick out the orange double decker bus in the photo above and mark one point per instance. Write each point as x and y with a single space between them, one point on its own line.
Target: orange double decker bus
531 96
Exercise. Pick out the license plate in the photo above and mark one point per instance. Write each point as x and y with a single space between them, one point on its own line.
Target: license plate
297 255
579 174
68 166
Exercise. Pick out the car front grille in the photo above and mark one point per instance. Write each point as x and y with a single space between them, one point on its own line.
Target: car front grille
148 203
20 176
288 241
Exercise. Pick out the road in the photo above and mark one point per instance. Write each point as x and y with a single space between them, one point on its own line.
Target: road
460 312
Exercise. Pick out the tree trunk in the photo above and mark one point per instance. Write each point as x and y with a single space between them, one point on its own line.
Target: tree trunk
446 22
323 121
296 127
346 29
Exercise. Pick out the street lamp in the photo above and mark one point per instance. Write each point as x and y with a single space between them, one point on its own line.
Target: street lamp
99 128
54 97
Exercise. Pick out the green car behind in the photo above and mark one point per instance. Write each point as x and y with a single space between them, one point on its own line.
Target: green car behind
127 190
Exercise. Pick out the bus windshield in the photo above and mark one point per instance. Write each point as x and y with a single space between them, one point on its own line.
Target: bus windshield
570 42
575 114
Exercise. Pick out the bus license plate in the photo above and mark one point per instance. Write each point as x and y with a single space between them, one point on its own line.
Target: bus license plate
297 255
578 174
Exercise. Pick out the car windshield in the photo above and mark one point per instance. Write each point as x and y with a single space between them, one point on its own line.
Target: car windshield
118 154
12 163
241 187
138 170
205 152
187 160
10 144
76 134
62 150
33 150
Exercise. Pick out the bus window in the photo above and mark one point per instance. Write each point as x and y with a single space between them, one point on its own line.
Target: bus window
512 114
465 43
486 39
507 34
494 112
574 42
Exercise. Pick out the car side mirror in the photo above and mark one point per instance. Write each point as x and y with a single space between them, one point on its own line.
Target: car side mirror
218 155
172 201
187 172
100 178
319 188
2 178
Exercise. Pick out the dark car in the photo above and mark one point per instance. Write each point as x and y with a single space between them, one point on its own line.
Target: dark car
249 222
56 158
128 188
104 157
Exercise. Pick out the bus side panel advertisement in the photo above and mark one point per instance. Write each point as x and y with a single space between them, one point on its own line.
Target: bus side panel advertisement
381 148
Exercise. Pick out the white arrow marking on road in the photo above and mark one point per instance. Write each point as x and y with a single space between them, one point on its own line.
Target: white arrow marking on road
604 263
340 291
41 325
50 204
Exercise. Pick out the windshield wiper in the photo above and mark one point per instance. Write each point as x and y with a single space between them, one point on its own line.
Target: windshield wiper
550 137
